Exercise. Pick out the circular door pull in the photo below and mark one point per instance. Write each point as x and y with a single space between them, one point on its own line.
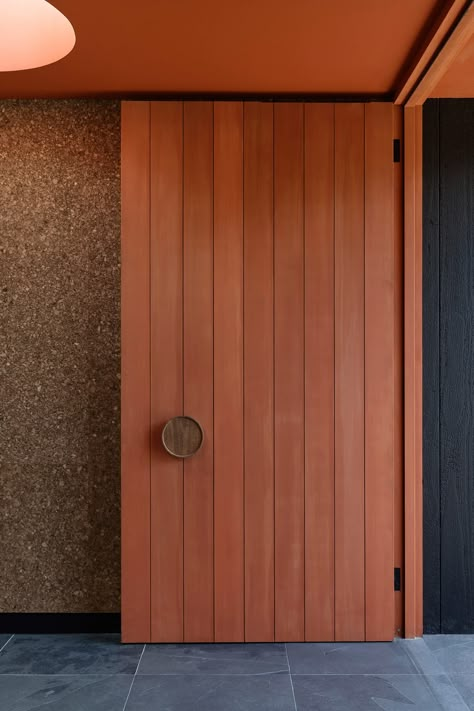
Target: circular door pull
182 436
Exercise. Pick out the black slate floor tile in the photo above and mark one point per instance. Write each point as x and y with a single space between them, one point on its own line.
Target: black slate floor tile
349 658
64 693
421 656
4 638
269 692
464 684
373 693
213 659
454 652
69 654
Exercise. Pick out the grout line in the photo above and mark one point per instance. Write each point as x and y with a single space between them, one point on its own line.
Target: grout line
133 680
376 674
418 675
277 672
8 640
291 678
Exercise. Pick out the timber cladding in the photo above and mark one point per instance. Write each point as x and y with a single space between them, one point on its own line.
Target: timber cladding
448 365
259 286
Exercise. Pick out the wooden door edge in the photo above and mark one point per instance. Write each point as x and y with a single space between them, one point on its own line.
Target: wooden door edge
135 372
413 411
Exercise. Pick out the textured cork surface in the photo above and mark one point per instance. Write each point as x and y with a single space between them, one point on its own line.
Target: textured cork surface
59 356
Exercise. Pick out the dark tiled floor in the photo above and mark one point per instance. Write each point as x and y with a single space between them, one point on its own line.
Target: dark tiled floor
214 659
97 673
351 658
4 639
69 654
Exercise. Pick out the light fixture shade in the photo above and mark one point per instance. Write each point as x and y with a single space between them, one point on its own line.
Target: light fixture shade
33 33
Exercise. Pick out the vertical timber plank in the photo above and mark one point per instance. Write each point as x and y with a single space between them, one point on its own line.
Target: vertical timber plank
379 372
289 371
135 419
399 560
413 587
349 373
228 372
319 372
166 273
198 371
431 374
258 372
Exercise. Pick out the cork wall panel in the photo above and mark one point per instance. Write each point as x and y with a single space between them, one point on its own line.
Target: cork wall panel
59 356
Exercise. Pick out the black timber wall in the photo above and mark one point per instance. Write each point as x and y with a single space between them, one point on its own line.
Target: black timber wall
448 365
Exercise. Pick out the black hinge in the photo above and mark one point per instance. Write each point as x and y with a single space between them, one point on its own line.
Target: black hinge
396 150
397 583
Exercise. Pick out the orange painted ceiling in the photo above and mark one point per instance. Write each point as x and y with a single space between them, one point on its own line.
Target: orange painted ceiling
458 81
231 46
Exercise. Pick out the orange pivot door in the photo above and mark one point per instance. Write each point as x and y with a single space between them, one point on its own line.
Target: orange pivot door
258 299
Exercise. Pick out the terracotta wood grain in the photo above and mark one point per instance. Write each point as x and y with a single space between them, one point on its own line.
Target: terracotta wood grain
262 297
398 369
258 372
349 373
319 372
198 370
228 372
289 371
413 373
379 372
166 248
135 423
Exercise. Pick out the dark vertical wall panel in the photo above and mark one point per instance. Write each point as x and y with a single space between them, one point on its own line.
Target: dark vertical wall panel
457 365
431 501
449 366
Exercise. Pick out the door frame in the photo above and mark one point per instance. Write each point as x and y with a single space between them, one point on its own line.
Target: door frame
454 30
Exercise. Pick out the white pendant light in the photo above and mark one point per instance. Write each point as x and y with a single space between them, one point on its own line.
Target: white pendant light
33 33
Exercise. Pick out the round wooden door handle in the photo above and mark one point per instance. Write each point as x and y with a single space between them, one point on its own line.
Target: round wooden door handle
182 436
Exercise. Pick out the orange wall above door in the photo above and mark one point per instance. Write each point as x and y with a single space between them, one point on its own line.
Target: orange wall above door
232 46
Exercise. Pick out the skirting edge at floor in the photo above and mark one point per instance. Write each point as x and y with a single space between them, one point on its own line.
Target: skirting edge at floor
59 622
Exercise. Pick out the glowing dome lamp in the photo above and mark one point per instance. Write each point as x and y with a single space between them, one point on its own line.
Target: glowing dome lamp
33 33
